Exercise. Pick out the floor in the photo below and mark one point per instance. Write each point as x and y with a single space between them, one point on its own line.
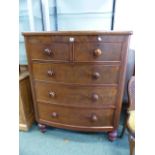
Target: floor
62 142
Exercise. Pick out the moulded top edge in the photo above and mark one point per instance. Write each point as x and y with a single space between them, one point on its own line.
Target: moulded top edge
78 33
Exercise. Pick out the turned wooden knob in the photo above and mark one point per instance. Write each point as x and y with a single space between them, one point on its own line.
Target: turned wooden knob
50 72
97 52
96 75
94 118
95 97
54 114
52 94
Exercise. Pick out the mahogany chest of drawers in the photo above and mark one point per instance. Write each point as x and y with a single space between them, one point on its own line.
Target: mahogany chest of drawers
77 78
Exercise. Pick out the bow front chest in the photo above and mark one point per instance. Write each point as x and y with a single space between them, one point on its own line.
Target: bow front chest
77 78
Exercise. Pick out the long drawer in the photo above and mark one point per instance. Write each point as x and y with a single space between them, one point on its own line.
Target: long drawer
86 96
76 73
83 117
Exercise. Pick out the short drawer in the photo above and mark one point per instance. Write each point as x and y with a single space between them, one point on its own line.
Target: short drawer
76 73
75 116
75 95
45 48
97 51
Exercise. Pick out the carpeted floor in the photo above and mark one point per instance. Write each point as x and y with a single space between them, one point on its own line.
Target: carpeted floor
62 142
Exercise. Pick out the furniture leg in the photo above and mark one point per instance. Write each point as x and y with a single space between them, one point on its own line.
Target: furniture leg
124 125
112 135
42 127
132 145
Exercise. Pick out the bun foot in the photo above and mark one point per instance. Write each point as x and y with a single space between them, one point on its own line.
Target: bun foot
112 135
42 127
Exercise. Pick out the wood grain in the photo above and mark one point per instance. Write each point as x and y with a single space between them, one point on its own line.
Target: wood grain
78 74
26 113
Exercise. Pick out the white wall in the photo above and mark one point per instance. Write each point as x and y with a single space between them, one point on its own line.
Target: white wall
125 17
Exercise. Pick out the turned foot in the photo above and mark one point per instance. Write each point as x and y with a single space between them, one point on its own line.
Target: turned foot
112 135
42 127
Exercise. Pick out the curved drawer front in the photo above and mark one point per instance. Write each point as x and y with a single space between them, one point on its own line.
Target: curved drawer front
75 95
97 51
76 73
44 48
75 116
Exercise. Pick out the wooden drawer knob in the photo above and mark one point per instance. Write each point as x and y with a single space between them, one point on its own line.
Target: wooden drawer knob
94 118
97 52
95 97
95 75
52 94
50 72
54 114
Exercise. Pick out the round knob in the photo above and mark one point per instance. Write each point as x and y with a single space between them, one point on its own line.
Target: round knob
50 72
95 97
96 75
54 114
94 118
47 51
52 94
97 52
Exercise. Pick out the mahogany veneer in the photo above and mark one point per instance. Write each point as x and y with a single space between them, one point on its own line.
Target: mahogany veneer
77 78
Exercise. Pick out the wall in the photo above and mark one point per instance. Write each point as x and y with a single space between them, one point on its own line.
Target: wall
125 17
71 15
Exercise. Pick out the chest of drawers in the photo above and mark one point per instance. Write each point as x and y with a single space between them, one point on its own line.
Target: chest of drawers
77 79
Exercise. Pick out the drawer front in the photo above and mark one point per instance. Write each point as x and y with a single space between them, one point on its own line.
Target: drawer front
47 49
76 116
75 95
76 73
91 51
